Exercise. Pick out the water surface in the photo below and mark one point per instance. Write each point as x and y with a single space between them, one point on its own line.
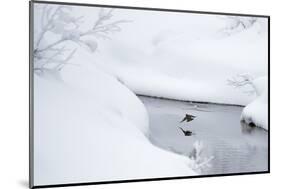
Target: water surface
235 147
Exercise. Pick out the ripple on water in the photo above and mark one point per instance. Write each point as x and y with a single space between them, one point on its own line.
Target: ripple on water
235 146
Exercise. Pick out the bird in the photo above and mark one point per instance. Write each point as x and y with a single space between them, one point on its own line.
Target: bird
188 118
187 132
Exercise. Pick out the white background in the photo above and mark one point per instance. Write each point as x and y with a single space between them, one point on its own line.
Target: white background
14 92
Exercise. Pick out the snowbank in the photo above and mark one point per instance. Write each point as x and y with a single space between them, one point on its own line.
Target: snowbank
257 111
88 128
190 61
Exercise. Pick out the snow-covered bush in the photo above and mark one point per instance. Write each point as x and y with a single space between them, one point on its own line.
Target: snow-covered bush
199 161
257 111
243 81
58 26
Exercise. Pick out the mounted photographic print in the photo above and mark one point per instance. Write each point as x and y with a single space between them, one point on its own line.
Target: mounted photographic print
124 94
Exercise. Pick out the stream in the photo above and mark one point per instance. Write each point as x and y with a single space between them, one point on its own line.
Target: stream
234 147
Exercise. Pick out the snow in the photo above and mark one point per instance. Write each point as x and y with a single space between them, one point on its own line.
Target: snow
257 111
177 55
190 61
88 128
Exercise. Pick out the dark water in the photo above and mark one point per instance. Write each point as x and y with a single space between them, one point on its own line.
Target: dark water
232 147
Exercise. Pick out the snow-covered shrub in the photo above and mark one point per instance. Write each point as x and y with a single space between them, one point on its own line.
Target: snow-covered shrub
199 161
257 111
243 81
58 26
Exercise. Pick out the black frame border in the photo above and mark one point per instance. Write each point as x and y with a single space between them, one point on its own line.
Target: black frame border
31 97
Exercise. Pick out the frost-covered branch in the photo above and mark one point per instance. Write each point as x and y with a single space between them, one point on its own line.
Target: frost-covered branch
101 28
66 28
242 80
199 162
235 24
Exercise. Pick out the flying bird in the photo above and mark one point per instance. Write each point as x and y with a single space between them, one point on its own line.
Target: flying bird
188 118
187 132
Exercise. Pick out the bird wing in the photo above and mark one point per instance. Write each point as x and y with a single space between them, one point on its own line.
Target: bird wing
184 119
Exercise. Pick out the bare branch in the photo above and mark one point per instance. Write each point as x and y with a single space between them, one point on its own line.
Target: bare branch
237 24
242 80
46 28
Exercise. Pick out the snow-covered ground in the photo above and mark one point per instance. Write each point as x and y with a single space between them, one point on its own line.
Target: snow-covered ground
173 55
176 55
89 128
257 111
184 56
